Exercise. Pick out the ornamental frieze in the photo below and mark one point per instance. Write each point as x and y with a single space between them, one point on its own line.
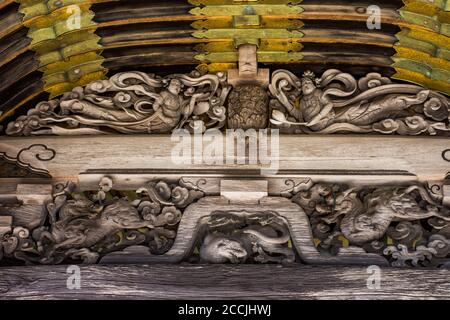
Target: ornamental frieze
173 221
335 102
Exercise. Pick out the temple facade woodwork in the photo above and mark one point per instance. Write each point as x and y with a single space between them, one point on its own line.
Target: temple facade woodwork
211 132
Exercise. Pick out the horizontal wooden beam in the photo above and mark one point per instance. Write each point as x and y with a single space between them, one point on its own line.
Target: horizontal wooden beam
421 157
126 15
222 282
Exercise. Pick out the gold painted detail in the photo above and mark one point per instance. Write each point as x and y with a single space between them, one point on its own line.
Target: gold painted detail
423 56
421 79
251 8
33 9
429 5
427 15
273 26
62 35
231 2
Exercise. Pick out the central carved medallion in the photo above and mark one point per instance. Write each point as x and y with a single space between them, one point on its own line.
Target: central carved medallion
248 107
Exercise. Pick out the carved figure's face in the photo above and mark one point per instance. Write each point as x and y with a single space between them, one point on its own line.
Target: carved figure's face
308 86
248 65
175 86
220 249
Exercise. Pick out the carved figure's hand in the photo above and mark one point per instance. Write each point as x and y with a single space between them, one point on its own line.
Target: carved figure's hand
158 103
313 122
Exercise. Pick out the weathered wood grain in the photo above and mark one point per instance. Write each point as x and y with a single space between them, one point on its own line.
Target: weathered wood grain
372 156
197 215
222 282
143 35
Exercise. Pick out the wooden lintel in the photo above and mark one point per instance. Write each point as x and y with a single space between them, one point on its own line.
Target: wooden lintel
415 158
222 282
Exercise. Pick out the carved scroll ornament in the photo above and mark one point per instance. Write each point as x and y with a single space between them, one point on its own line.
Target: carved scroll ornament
135 102
31 158
338 103
82 227
407 225
130 102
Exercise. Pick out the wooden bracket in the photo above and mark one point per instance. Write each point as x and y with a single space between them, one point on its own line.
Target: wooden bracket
244 191
248 72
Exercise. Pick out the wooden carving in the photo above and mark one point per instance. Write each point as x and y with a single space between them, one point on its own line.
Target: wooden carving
408 225
130 102
248 107
232 238
31 158
319 223
338 103
135 102
85 226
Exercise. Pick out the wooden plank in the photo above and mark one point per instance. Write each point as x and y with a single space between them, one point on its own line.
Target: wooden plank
355 154
134 179
10 20
187 281
132 37
23 95
244 190
122 13
5 3
26 63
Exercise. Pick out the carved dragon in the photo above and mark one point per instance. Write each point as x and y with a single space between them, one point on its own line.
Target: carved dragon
369 217
261 239
409 225
85 227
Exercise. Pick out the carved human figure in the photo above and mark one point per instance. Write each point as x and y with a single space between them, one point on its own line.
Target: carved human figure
172 107
168 101
129 102
338 103
316 110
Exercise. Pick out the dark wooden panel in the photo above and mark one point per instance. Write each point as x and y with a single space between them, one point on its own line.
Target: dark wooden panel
17 69
25 96
10 19
140 9
13 45
148 33
222 281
